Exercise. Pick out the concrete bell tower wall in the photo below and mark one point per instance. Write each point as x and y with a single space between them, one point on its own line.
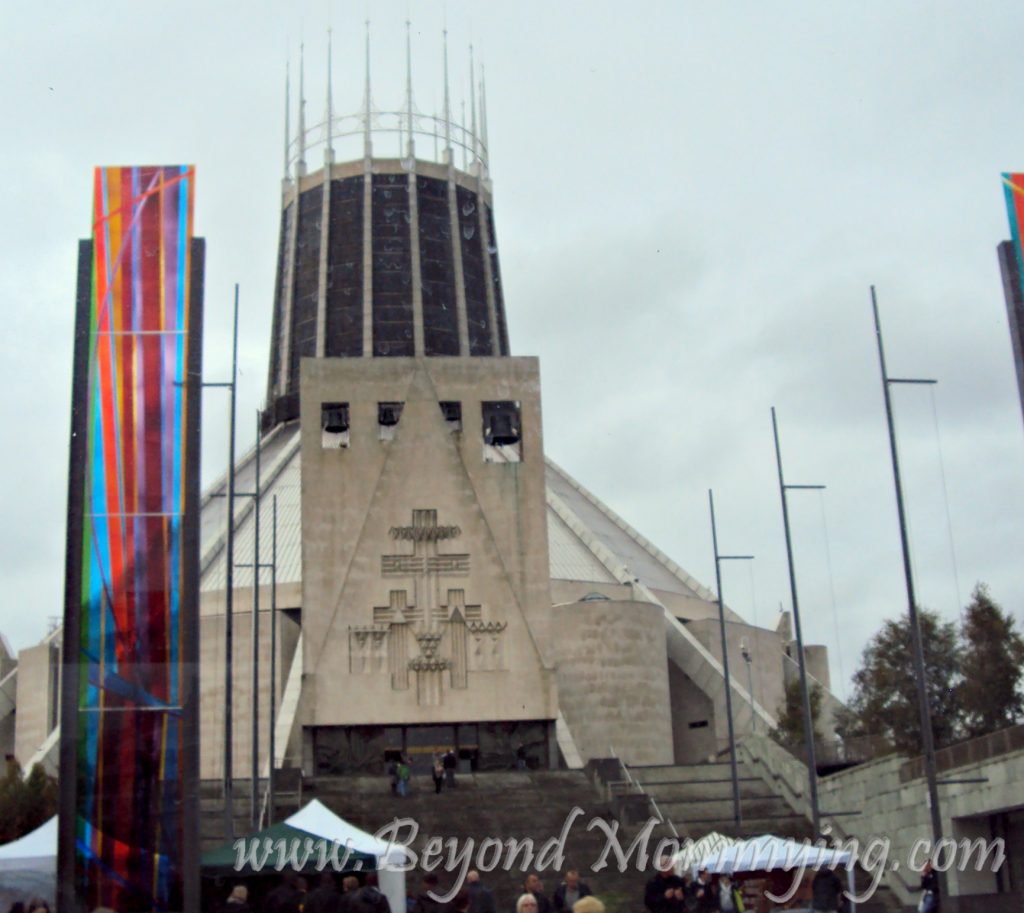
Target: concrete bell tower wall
424 550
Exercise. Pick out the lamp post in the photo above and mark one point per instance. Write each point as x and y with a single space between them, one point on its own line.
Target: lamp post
812 767
927 738
725 659
747 657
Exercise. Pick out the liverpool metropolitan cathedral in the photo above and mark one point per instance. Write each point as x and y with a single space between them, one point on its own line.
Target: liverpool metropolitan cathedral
437 581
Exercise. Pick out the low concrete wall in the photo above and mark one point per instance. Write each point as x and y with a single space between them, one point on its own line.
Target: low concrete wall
897 810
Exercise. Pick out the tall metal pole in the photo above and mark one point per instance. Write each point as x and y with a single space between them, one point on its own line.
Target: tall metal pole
915 626
229 585
254 793
745 653
737 814
273 659
812 769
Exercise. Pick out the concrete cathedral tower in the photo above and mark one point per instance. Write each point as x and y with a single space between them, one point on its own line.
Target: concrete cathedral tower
425 596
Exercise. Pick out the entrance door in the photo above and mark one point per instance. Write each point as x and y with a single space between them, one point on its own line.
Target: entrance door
423 742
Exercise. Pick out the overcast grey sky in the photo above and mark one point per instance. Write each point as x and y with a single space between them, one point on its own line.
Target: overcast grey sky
692 200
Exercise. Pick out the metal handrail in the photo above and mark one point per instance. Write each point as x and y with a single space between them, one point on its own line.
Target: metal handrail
639 788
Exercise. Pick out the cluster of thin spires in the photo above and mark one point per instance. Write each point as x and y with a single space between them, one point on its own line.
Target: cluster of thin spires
407 122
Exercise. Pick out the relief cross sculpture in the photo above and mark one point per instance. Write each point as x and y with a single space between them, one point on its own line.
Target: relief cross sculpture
424 616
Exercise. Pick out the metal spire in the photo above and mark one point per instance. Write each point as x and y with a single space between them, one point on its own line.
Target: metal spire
287 113
472 108
408 85
300 165
462 123
367 145
447 105
329 151
484 147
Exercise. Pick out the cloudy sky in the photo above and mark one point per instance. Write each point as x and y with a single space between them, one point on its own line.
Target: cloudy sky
692 201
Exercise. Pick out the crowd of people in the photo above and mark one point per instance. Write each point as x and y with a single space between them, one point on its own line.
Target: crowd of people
666 892
292 895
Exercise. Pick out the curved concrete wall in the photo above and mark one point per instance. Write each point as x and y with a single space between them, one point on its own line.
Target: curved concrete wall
613 679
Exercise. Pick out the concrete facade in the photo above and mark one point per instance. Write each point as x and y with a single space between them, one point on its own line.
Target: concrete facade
211 684
693 719
766 650
613 679
424 565
38 683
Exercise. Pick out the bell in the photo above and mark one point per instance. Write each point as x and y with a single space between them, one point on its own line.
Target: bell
388 414
334 417
501 427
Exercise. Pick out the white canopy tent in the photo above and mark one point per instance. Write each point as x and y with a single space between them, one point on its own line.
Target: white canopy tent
28 865
769 852
317 819
692 854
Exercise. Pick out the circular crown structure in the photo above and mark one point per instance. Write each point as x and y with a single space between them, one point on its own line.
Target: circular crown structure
384 257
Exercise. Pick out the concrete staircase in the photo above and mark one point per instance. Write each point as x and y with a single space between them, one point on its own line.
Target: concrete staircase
697 798
517 805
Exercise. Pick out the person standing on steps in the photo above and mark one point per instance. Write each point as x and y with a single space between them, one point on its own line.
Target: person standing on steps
588 904
368 898
729 899
664 892
533 885
349 886
404 773
450 762
324 898
481 900
929 902
437 772
285 898
569 891
705 892
237 902
426 901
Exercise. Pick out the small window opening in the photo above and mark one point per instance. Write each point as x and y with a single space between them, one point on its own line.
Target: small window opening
388 415
502 431
452 413
334 425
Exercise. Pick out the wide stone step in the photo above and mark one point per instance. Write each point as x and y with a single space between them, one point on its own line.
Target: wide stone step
712 789
689 773
718 809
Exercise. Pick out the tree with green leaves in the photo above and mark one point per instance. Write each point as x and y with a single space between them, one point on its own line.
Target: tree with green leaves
992 667
790 715
884 702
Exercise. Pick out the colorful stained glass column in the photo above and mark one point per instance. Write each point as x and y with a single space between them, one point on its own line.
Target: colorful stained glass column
129 837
